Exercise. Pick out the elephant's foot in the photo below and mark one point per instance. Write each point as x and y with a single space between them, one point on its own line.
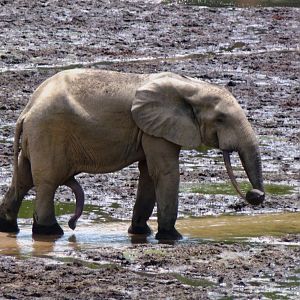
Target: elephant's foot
145 230
8 226
168 235
54 229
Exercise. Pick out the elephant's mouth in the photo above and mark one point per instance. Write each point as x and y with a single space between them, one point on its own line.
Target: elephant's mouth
254 196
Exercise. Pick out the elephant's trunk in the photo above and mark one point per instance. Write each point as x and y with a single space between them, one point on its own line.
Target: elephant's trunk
252 164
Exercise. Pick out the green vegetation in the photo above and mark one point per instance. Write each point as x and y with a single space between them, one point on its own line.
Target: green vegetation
61 208
115 205
129 255
291 282
156 252
87 264
275 296
193 282
228 189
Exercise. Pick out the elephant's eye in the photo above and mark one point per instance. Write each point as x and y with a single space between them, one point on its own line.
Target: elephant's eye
220 118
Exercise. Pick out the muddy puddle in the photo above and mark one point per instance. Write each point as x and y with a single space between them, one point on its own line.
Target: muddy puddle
90 234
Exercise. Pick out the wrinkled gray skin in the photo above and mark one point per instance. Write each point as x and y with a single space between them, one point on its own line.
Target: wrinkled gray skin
99 121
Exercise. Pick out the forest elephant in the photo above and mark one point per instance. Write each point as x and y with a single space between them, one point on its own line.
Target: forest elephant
97 121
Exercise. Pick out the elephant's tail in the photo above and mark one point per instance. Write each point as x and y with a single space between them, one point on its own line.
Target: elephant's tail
79 195
18 132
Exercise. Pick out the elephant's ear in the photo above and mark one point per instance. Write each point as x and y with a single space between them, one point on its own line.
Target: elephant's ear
161 108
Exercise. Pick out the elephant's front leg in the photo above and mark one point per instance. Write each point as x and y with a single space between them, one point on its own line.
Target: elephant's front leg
163 164
145 202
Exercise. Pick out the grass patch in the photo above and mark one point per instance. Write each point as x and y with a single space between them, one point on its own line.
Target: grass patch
228 189
274 296
61 208
193 282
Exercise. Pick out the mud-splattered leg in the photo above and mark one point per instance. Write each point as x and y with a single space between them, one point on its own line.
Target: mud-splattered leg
145 202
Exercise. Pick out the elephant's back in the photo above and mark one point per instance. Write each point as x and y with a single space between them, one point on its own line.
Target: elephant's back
98 91
85 92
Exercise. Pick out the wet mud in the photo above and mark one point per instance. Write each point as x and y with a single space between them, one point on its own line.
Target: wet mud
255 53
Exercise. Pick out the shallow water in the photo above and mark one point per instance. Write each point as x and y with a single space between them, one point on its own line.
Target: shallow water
235 227
90 234
87 236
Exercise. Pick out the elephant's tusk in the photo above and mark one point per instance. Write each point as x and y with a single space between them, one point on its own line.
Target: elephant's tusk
227 162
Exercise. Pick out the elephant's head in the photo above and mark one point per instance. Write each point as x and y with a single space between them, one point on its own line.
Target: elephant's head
190 112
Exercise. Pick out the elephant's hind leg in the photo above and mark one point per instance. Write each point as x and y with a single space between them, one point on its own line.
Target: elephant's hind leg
145 202
44 220
10 204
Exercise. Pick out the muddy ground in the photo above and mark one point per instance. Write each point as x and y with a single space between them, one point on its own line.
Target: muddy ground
190 271
252 51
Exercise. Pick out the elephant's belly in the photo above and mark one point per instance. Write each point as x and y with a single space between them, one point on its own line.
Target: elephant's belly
106 164
108 153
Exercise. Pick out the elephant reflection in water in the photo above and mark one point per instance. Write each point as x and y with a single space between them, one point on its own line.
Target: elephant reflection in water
98 121
9 244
